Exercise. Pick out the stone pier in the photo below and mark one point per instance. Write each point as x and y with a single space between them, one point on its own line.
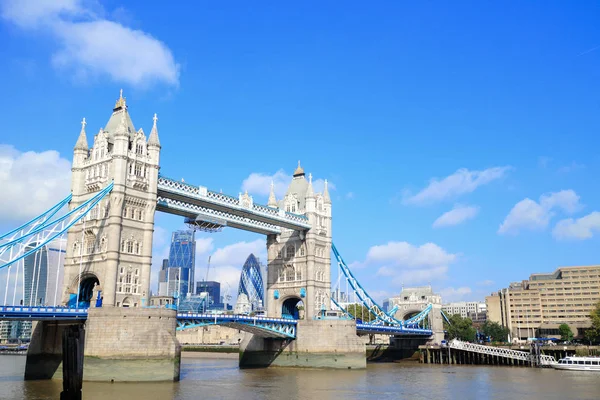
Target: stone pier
318 344
131 345
121 345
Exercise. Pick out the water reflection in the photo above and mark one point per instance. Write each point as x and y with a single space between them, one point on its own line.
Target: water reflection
221 379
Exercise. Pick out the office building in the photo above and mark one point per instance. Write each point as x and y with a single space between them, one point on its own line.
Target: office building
176 277
463 308
538 306
252 284
212 290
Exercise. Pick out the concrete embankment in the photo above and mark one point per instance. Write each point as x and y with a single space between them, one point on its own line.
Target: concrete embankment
215 352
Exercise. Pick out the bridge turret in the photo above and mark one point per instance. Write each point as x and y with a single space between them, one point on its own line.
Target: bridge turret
80 152
112 246
299 261
272 199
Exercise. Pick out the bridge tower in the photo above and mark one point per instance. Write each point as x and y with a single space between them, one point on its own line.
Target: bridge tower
110 250
299 263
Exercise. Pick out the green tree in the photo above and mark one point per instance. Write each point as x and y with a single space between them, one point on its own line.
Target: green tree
359 311
495 331
592 334
566 333
460 328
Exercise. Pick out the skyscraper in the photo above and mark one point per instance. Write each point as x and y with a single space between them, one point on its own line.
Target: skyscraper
177 272
43 273
251 283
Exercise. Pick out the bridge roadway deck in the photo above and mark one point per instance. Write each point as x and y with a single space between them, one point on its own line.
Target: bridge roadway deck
260 325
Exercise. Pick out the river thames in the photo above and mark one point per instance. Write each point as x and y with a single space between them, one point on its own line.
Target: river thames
221 379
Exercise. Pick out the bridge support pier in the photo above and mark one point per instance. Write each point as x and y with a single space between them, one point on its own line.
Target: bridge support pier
131 345
45 353
318 344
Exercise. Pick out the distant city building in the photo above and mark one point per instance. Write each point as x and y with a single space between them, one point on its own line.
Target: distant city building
211 288
538 306
15 331
43 271
386 305
176 277
463 308
252 284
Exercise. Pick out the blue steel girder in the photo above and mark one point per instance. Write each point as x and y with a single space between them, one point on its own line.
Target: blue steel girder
368 329
22 313
169 189
261 326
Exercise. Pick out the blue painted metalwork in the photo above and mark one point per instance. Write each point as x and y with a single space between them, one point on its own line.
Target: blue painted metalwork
42 313
302 292
365 329
259 325
362 294
54 228
445 317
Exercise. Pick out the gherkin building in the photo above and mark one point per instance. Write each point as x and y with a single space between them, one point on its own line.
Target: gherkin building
251 282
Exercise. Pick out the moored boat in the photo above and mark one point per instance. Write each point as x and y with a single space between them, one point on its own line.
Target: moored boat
576 363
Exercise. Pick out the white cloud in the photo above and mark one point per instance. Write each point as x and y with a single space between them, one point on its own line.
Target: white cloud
258 183
450 294
457 215
487 282
90 45
531 215
461 182
408 264
31 182
580 228
350 195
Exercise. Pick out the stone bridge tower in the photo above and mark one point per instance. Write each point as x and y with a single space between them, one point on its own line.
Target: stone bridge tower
299 263
110 250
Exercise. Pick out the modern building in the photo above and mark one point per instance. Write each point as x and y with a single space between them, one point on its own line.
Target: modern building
538 306
211 288
252 284
182 255
43 271
463 308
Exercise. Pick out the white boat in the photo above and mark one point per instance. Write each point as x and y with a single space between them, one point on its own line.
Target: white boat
575 363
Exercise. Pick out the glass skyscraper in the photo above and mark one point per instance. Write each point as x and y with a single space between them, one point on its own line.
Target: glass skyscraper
43 273
251 282
177 274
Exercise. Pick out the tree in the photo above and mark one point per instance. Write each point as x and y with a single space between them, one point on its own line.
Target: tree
592 334
460 328
359 311
495 331
566 333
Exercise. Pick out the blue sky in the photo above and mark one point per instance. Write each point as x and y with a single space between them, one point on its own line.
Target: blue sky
488 112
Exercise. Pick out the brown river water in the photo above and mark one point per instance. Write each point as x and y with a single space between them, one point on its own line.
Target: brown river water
203 378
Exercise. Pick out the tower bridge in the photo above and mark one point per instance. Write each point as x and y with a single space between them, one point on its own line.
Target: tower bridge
115 191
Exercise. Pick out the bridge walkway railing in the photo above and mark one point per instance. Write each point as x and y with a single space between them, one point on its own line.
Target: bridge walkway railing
500 352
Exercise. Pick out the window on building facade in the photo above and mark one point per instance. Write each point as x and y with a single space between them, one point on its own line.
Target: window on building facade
129 246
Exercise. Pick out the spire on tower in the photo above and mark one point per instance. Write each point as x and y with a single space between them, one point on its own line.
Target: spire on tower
272 199
153 138
82 143
299 170
309 191
120 101
326 197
